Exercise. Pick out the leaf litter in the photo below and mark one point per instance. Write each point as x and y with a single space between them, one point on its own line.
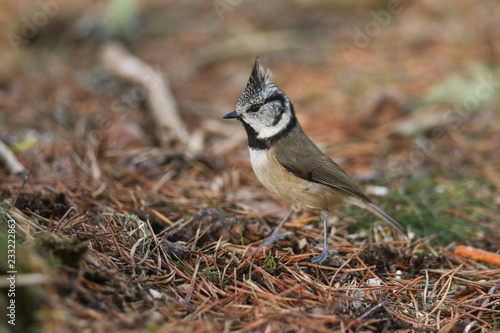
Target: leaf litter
132 233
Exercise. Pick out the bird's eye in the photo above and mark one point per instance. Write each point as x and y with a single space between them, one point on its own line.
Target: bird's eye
255 107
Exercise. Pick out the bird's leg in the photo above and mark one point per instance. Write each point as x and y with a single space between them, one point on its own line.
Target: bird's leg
324 254
276 233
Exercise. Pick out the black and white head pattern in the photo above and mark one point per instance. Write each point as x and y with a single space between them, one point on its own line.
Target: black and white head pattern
264 109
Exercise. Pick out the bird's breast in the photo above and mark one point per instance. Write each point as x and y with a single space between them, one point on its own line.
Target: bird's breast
272 175
297 192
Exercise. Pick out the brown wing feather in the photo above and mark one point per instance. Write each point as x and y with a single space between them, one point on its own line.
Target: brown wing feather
309 163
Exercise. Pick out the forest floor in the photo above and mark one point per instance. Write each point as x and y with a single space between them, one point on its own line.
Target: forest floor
125 223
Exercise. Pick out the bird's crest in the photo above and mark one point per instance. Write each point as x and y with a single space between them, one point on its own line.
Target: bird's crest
257 81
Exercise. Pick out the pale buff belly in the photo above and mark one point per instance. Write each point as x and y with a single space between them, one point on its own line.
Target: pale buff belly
297 192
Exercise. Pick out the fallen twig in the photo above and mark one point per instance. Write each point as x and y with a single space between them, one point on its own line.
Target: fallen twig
9 159
119 62
478 254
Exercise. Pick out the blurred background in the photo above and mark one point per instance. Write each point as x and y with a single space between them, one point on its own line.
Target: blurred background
116 106
401 94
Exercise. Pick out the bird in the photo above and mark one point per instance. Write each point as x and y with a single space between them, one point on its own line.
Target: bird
289 164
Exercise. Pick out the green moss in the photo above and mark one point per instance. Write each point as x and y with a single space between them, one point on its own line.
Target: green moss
442 208
270 263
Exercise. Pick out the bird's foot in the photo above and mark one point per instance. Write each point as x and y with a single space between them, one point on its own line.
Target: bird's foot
275 238
323 255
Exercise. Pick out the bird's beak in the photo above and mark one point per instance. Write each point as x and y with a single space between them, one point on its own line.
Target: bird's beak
230 115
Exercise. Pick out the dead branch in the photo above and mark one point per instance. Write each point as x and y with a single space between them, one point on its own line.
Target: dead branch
473 253
125 66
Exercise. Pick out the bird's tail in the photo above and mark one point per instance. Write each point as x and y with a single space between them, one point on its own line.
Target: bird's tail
380 213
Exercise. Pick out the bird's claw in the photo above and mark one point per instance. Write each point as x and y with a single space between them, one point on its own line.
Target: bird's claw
275 238
319 259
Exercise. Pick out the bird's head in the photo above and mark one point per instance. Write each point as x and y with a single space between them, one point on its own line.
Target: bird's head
262 107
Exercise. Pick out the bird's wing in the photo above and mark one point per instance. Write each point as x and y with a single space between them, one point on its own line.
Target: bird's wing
309 163
316 167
